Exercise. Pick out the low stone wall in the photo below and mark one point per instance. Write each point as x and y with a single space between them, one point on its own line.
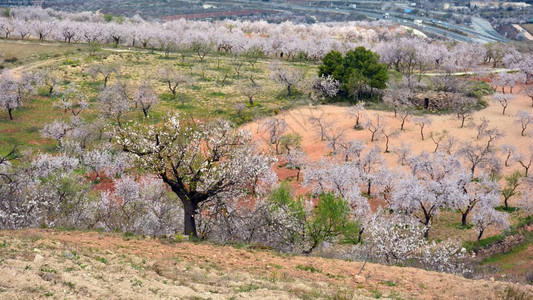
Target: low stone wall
502 246
437 100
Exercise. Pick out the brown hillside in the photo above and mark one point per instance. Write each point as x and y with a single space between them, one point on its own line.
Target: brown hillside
50 264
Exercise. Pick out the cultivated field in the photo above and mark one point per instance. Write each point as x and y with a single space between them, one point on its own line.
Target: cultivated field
214 91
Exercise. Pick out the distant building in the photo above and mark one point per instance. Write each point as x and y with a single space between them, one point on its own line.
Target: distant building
497 4
21 2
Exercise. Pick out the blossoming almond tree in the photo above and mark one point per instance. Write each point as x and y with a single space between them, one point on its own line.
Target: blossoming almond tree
200 163
486 216
14 91
428 188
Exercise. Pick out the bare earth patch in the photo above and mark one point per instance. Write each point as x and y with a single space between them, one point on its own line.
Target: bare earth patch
37 263
298 122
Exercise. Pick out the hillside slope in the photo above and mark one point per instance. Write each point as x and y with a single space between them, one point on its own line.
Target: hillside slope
52 264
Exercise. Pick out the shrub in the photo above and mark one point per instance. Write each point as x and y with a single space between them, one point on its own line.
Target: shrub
529 277
515 293
331 220
11 59
356 70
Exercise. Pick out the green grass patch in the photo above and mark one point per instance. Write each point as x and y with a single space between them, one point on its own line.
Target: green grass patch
514 229
388 283
376 294
72 63
279 267
163 57
101 259
246 288
308 268
47 269
216 94
167 97
69 284
504 257
460 226
483 243
509 209
478 89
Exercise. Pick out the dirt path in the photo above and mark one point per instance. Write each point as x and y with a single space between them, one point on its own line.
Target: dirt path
17 71
34 65
521 29
89 265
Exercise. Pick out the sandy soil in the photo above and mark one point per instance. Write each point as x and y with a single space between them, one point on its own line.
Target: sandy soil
38 264
298 122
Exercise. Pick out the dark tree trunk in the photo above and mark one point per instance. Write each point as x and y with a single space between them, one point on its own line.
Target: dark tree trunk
507 159
189 218
463 217
403 122
480 234
172 89
360 235
10 112
427 220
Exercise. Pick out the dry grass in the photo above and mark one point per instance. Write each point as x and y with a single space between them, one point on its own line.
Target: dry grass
89 265
23 52
528 27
